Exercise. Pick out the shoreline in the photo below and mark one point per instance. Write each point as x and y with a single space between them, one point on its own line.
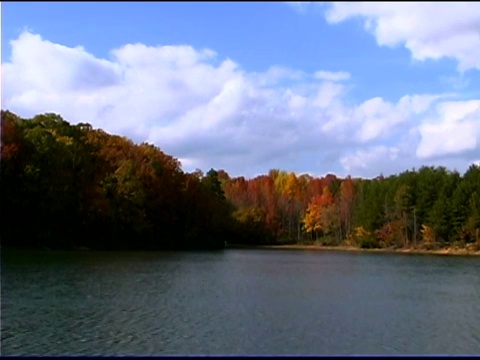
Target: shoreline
300 247
445 251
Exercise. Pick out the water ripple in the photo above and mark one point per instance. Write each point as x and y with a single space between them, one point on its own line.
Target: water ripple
239 303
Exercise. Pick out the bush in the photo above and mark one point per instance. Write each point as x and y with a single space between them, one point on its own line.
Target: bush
368 243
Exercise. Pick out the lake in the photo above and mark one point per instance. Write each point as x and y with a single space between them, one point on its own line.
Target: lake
238 302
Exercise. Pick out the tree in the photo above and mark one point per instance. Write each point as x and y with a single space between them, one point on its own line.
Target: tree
318 216
212 183
403 204
346 205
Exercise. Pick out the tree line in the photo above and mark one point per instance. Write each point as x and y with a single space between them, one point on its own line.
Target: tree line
427 208
70 186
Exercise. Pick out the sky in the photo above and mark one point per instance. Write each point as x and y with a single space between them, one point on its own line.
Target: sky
360 89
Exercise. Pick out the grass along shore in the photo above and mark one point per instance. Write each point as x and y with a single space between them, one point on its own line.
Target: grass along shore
443 251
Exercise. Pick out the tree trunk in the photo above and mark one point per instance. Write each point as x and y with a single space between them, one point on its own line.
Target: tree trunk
298 229
406 229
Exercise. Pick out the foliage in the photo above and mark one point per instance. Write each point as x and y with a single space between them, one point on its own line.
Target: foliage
65 186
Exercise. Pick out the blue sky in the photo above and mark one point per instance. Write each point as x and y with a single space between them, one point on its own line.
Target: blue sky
359 89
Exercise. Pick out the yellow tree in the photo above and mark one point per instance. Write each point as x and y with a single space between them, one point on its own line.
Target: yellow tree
318 214
428 235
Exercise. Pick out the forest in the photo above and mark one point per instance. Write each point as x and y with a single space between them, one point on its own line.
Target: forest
66 186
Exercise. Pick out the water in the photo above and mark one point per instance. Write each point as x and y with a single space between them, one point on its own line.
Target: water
239 302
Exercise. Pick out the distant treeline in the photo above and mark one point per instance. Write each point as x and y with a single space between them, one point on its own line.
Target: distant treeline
68 186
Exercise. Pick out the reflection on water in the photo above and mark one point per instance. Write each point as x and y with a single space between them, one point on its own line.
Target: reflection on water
239 302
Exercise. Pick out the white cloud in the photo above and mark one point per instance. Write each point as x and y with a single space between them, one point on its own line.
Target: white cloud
380 119
361 160
211 113
299 6
376 117
429 30
456 82
58 68
456 131
332 75
327 93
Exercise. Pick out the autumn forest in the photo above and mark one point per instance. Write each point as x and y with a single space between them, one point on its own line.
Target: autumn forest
69 186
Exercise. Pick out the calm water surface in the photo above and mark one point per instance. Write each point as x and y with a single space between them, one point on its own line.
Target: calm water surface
238 302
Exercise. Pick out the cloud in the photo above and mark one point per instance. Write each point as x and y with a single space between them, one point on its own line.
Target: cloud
362 159
299 6
377 117
209 112
457 130
57 67
429 30
332 76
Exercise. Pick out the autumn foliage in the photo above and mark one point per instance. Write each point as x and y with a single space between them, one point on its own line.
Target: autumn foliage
66 186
